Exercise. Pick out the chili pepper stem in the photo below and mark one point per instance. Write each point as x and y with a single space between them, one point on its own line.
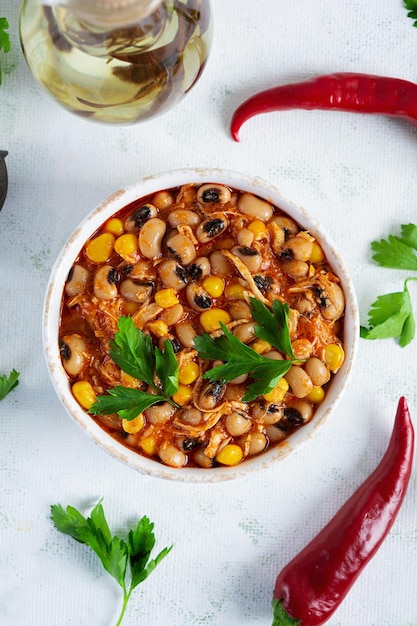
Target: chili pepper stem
281 617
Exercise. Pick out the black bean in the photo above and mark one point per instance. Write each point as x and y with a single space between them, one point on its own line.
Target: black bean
245 251
190 444
65 351
176 345
181 273
215 389
194 271
263 282
214 227
293 416
140 216
211 195
202 301
113 276
287 255
70 274
273 408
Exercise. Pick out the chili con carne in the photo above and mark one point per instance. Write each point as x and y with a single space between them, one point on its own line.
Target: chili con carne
312 586
344 91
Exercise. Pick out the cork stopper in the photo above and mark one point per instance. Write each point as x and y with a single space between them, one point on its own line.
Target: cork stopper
114 13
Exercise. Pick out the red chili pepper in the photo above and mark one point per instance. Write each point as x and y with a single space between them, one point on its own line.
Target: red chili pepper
356 93
312 586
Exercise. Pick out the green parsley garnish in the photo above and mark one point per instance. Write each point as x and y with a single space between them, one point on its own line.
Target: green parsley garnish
397 252
127 561
241 359
7 383
134 353
4 37
411 5
391 315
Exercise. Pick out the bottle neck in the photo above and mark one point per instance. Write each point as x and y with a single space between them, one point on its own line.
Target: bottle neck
113 14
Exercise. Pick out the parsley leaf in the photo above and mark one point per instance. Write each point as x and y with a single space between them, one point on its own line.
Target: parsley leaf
167 368
134 353
409 235
395 252
391 316
4 38
127 402
117 556
7 383
411 5
241 359
273 326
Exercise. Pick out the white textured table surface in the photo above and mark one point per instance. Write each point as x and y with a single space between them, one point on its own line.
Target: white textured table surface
357 174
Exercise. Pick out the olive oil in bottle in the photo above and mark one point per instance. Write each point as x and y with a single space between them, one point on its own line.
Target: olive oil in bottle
116 61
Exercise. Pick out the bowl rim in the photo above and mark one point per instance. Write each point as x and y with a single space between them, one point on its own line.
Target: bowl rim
52 307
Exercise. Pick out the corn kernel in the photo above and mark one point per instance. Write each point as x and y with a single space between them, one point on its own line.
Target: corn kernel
231 454
235 291
127 246
100 248
316 394
166 298
334 356
158 328
148 445
114 226
84 393
127 380
133 426
258 228
189 373
317 254
277 394
183 395
210 320
260 346
214 286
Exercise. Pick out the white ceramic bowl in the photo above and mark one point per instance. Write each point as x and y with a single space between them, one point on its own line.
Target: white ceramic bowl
51 318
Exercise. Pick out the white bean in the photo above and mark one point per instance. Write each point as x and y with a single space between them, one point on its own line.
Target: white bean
220 265
159 413
237 424
186 334
299 381
255 207
250 257
173 275
183 216
150 238
105 280
317 371
77 280
172 456
73 353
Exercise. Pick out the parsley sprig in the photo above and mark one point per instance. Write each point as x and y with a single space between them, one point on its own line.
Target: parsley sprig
128 561
241 359
7 383
391 315
4 38
135 354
